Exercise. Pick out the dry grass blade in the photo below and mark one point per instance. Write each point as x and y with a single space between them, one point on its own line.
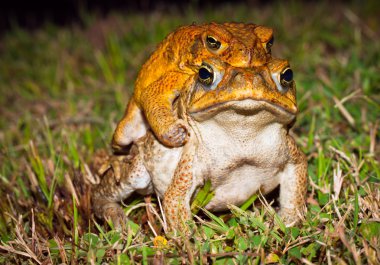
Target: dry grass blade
338 182
344 112
353 95
61 249
324 189
341 154
70 187
307 262
189 250
299 241
161 220
370 203
351 247
20 243
373 132
32 178
150 214
91 178
10 249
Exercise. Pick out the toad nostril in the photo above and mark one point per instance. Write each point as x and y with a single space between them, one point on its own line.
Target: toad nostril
238 78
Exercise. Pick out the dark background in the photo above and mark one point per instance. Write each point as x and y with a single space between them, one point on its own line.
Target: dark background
33 13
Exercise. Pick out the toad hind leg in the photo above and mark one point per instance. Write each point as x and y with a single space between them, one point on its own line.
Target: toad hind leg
157 103
108 194
293 185
178 195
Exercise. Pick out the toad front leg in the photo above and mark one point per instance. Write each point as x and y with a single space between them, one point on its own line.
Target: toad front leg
110 192
293 185
157 103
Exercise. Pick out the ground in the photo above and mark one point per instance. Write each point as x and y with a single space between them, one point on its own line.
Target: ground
64 88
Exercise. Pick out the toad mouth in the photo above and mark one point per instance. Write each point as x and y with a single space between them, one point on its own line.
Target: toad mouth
248 104
245 107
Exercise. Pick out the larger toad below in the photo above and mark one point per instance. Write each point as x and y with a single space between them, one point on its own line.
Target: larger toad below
239 141
179 56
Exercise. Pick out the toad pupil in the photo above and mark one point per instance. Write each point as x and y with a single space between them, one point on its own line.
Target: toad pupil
287 75
205 75
213 43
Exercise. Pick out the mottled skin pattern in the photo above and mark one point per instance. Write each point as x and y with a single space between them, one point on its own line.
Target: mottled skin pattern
178 57
239 140
290 204
181 188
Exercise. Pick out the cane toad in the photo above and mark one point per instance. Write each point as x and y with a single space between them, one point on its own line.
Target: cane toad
180 55
239 121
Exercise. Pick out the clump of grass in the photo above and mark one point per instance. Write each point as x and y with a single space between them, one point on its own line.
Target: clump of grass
63 90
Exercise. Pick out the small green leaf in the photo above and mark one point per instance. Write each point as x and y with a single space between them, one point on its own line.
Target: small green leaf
91 239
209 232
324 217
295 231
242 244
311 250
370 230
53 246
323 198
256 240
133 227
233 222
123 259
205 247
295 252
115 237
230 233
314 208
228 249
272 258
149 251
100 253
145 255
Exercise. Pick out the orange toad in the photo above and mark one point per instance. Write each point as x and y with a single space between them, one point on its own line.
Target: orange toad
179 56
239 119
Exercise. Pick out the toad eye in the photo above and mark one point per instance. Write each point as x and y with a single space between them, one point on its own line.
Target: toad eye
269 45
213 43
206 75
286 77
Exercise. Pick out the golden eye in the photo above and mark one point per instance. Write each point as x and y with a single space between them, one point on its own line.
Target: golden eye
213 43
269 45
286 77
206 75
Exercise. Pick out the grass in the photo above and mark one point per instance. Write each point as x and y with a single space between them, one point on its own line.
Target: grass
63 90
